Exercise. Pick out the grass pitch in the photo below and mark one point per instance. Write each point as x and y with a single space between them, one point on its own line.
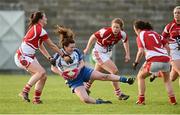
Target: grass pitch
58 99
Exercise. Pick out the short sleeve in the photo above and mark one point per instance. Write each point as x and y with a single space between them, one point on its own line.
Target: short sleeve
44 35
124 36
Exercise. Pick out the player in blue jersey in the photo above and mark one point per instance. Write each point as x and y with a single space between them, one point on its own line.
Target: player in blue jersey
76 72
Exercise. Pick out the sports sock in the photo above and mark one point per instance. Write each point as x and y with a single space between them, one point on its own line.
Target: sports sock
117 92
141 98
37 95
27 88
123 79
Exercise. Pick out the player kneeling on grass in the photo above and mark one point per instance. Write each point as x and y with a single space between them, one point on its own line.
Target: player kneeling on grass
155 48
76 72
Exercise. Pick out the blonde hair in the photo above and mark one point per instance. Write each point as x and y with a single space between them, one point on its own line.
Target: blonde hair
66 35
118 21
177 7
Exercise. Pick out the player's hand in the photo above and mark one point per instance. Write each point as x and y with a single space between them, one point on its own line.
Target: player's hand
67 59
127 59
52 61
134 65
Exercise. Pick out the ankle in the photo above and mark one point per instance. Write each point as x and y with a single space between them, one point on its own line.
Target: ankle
123 79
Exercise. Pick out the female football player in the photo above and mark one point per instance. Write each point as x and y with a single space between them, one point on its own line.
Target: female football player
172 33
75 72
104 40
156 49
25 55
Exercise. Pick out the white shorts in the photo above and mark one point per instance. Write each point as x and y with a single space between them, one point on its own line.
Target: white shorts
159 66
100 57
154 67
23 61
174 53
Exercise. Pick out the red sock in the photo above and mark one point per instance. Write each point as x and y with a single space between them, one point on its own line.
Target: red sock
172 99
117 92
141 98
27 88
37 95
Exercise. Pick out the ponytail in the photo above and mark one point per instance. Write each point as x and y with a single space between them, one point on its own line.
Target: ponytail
66 36
35 17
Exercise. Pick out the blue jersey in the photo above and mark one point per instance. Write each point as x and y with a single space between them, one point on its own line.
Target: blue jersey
76 56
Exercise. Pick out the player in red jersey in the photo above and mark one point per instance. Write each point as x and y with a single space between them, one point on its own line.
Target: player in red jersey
104 40
172 33
155 48
25 55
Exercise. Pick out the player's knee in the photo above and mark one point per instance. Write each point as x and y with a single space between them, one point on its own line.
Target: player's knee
85 100
141 77
173 78
42 74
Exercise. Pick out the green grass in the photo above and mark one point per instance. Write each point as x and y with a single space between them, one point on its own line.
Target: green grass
58 98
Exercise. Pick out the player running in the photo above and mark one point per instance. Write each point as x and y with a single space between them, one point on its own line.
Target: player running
104 40
154 47
172 33
25 55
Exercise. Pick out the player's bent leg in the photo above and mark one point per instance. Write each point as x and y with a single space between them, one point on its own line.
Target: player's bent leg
38 90
96 75
38 71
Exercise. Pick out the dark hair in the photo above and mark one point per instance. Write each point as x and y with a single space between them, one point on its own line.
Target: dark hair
142 25
118 21
35 17
66 36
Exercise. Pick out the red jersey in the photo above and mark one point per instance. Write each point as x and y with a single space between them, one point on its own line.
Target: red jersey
171 32
153 45
105 37
35 36
32 40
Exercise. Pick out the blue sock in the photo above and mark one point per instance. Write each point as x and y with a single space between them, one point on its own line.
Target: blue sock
98 101
123 79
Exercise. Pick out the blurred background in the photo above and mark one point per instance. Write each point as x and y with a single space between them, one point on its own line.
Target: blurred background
84 17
